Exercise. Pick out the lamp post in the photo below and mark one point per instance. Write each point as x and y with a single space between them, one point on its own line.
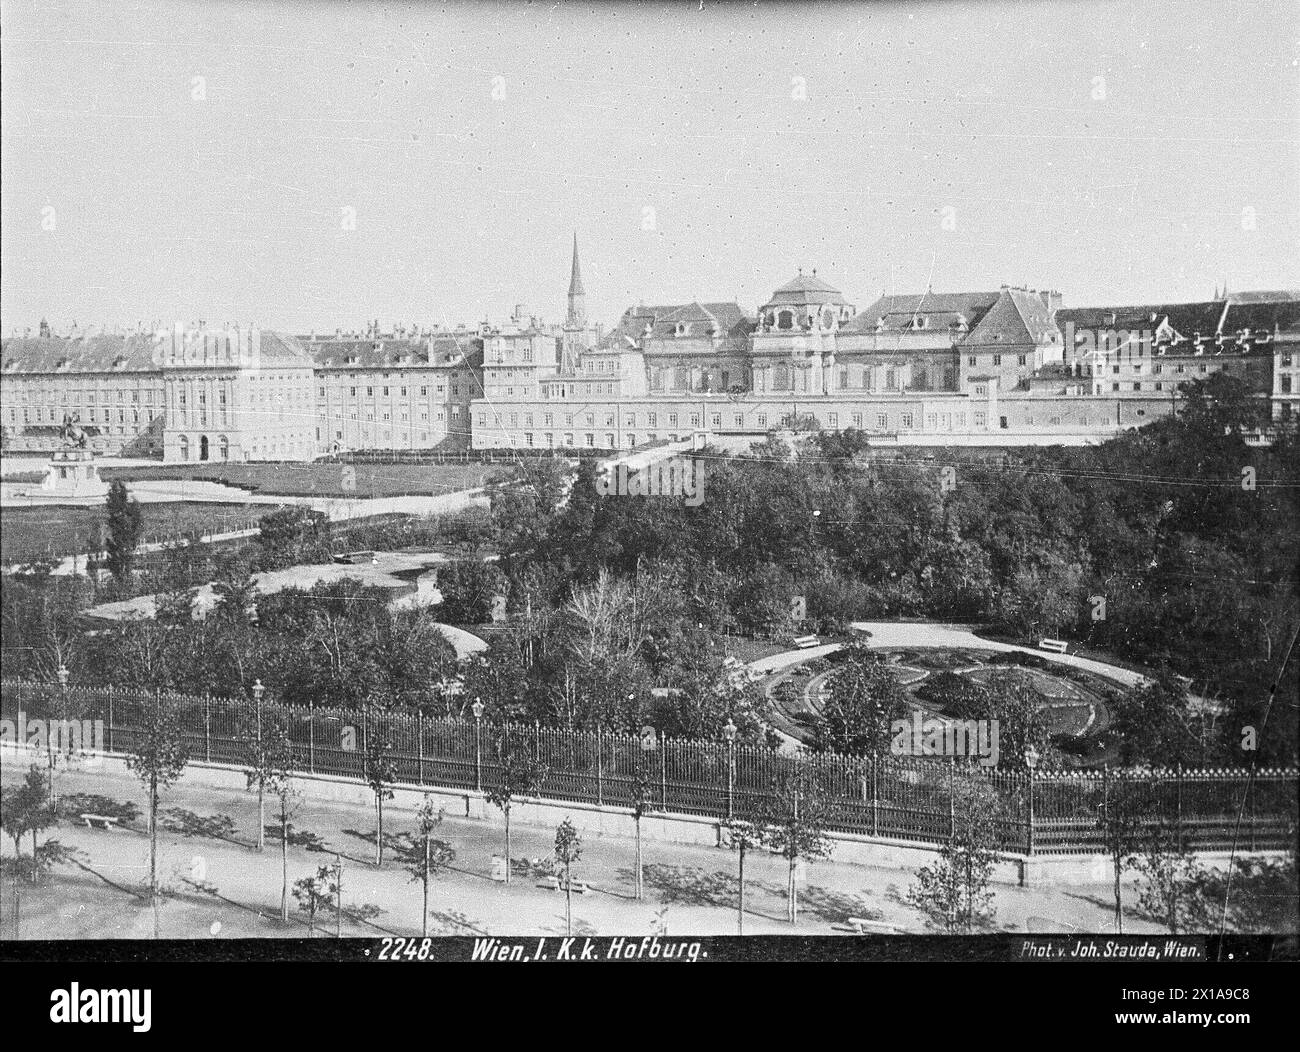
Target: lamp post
62 675
477 709
729 732
258 692
1031 761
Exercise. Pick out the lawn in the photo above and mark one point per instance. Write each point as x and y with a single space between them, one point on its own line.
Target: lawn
29 533
325 480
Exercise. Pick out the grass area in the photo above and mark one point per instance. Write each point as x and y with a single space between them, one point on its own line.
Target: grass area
324 480
31 533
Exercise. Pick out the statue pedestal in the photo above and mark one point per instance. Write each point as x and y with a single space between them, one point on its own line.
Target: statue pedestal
72 473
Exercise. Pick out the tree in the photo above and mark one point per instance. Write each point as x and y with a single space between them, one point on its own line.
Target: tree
794 818
1170 876
268 756
865 700
316 893
234 592
158 757
430 856
124 524
380 774
1121 810
644 801
518 774
744 835
953 891
568 849
25 809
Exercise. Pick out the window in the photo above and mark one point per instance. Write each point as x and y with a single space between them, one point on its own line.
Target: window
1137 386
715 420
762 420
857 420
882 421
981 419
971 360
997 360
672 419
651 418
591 439
740 420
1020 360
906 420
1114 387
833 419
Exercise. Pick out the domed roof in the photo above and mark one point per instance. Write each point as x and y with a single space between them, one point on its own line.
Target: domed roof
805 289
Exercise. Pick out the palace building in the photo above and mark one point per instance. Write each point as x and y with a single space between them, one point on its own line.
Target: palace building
1010 366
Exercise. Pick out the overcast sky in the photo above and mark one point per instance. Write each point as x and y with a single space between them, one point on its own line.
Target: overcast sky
1111 150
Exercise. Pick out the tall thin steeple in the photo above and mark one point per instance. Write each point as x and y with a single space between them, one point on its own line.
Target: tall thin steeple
577 316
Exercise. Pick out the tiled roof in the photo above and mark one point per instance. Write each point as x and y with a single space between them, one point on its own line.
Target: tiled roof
939 310
375 353
727 320
281 347
83 354
1186 319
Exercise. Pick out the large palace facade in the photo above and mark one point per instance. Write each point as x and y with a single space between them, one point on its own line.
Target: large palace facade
1010 366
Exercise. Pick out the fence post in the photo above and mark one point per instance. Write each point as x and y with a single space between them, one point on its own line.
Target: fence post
311 735
952 800
1029 827
875 793
110 717
599 771
663 773
207 727
419 746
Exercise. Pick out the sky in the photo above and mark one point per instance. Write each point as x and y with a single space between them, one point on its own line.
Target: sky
317 165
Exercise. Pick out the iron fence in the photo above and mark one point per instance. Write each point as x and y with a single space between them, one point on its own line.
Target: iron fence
902 798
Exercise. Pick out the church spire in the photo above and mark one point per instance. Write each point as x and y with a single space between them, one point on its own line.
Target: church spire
577 296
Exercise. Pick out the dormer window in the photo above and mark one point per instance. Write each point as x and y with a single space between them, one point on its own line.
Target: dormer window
680 330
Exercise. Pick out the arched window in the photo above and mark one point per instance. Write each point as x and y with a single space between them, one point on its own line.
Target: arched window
785 320
185 448
203 447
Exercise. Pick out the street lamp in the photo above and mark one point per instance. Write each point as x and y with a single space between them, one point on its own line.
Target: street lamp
62 675
729 732
1031 761
477 709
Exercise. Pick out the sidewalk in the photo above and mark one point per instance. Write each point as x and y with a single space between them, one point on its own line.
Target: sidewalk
206 858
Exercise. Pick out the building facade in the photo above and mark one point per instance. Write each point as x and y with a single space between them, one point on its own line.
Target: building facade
1010 365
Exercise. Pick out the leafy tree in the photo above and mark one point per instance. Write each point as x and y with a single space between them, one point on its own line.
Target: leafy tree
124 525
380 773
24 809
518 774
235 592
745 835
953 891
431 856
1170 874
865 700
568 849
794 817
158 757
292 535
268 756
1121 814
315 894
645 800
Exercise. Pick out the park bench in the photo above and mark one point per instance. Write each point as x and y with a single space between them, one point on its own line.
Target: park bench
1059 646
863 926
804 642
556 884
100 821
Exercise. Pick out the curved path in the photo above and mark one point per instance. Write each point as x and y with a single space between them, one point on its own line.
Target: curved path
895 635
